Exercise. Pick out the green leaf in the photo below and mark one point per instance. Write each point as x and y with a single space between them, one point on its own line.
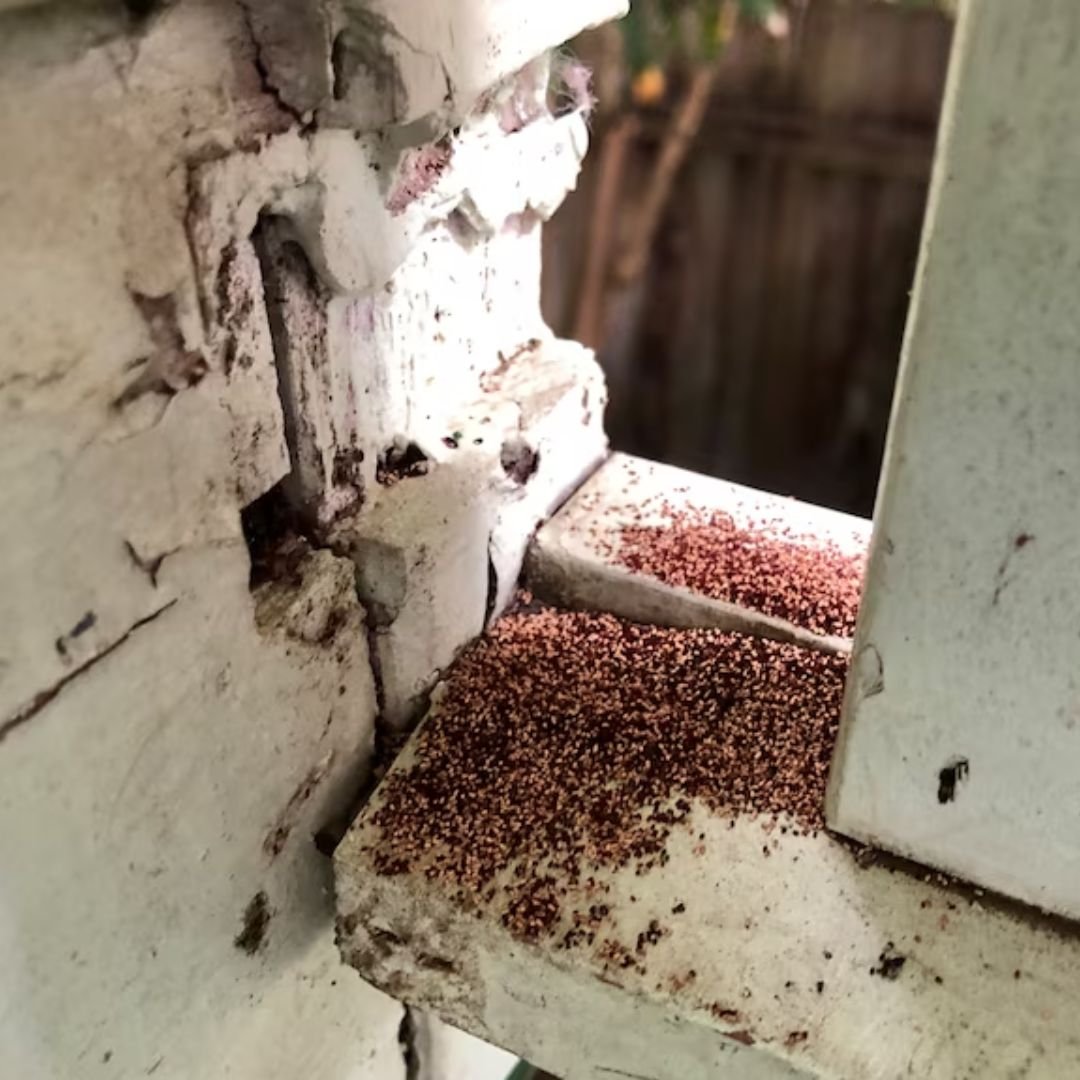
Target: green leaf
756 10
635 36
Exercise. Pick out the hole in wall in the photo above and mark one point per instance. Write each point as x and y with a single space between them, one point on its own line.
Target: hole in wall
399 461
346 471
949 777
341 65
519 460
141 9
273 536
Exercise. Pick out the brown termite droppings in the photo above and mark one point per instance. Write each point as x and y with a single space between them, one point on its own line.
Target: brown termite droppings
725 1014
570 744
763 566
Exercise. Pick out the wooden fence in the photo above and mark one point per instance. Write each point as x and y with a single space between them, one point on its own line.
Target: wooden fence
761 343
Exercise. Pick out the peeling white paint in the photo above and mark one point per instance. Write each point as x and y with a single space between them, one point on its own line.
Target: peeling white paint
171 741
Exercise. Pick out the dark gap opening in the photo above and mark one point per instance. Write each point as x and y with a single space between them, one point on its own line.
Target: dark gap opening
492 588
141 9
274 537
400 461
277 258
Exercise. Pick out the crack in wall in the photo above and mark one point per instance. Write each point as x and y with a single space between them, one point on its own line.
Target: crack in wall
492 586
376 663
44 697
408 1040
276 525
274 303
266 79
149 565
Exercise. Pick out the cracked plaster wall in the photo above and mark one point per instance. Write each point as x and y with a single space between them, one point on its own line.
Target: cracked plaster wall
225 275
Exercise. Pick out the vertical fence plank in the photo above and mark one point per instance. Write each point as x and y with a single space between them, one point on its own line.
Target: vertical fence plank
762 342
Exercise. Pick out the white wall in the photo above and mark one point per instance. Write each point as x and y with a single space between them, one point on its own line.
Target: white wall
170 740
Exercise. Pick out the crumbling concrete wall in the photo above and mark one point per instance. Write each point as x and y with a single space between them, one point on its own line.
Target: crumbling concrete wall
278 414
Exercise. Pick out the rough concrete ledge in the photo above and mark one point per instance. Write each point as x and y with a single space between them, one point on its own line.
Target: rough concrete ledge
586 556
751 943
915 979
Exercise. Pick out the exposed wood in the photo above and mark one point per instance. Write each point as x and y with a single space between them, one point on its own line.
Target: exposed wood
872 148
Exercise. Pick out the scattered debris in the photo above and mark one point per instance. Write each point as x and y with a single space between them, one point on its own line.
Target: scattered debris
257 915
85 623
949 777
649 936
400 461
890 963
721 1012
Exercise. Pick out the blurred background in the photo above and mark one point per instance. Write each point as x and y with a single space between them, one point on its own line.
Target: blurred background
742 242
